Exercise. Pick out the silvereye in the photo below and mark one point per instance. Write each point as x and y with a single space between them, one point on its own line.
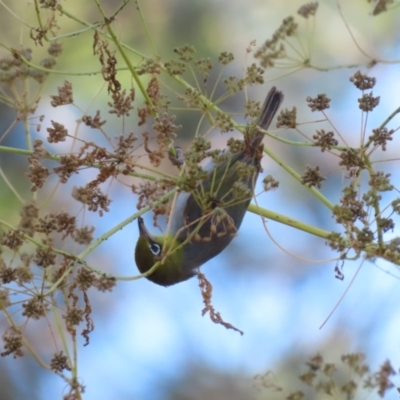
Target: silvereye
204 221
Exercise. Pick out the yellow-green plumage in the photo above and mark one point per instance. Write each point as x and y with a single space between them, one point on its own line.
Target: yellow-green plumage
148 252
205 221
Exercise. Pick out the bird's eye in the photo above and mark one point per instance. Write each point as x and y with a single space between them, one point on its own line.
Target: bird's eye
155 248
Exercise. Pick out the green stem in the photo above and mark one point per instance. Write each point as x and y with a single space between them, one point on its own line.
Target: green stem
283 219
149 38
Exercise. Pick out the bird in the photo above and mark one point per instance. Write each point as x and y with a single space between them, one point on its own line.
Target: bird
205 220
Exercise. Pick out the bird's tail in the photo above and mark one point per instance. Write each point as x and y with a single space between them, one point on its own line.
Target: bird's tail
270 107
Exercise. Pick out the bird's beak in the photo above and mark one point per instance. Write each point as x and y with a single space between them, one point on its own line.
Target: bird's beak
142 228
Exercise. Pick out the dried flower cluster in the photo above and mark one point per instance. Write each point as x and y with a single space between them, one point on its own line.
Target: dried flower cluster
348 379
274 49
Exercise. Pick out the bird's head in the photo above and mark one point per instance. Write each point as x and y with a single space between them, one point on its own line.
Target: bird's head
149 250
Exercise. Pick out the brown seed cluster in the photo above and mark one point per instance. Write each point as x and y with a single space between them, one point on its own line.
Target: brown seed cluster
13 239
324 377
223 122
254 74
234 84
319 103
45 257
92 197
287 118
351 210
37 174
381 136
122 103
149 192
57 134
351 159
362 81
12 342
65 95
312 177
204 66
84 235
325 140
185 53
225 58
174 67
96 122
307 10
34 308
7 274
368 102
59 362
269 183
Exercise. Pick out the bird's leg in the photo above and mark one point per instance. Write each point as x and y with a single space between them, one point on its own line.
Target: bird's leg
213 202
176 159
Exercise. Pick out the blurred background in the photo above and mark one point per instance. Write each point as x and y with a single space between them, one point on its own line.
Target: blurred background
279 286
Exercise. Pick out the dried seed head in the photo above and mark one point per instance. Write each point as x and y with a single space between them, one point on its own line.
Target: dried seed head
12 343
368 102
122 103
287 118
325 140
105 283
59 362
225 58
362 81
34 308
55 49
319 103
37 174
312 177
185 53
270 183
44 257
65 95
381 136
84 235
58 133
308 9
96 122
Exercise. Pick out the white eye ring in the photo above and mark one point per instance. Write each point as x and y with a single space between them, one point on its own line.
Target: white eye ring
155 248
